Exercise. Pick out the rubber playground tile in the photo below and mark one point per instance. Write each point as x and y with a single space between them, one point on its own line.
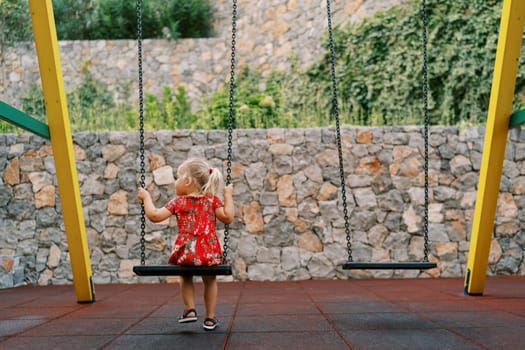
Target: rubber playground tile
77 342
407 339
277 285
286 341
359 307
506 304
276 297
495 338
170 326
277 309
331 297
491 318
308 316
12 327
281 323
10 300
175 310
210 340
419 294
68 326
377 320
33 313
443 305
105 310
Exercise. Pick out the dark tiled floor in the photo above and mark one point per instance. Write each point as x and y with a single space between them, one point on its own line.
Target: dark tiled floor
351 314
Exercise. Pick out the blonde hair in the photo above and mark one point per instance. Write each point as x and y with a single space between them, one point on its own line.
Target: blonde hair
207 179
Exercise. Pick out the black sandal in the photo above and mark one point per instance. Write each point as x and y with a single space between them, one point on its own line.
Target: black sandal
213 323
185 318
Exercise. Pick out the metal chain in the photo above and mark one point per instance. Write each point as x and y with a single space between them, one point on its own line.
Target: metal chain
141 136
335 106
231 119
427 121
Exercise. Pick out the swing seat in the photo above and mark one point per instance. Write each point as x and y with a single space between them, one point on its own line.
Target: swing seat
180 270
414 265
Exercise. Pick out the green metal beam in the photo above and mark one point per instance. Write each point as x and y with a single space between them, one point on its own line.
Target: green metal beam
517 118
18 118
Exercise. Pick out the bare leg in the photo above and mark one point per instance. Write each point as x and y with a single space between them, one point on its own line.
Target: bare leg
188 292
210 294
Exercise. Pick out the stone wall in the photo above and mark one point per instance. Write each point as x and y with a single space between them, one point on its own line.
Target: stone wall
269 34
289 222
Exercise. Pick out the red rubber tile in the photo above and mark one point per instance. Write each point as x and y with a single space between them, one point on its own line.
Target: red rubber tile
68 326
286 341
496 338
77 342
210 340
170 326
407 339
263 310
377 320
281 323
490 318
322 314
12 327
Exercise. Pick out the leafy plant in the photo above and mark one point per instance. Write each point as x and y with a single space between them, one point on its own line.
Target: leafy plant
172 111
14 27
257 103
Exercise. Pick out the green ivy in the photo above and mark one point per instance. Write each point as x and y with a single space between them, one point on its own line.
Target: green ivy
379 65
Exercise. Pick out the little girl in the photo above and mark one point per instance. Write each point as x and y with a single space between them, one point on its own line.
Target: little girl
196 207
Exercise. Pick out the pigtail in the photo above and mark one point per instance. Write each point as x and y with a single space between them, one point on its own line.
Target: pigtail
215 182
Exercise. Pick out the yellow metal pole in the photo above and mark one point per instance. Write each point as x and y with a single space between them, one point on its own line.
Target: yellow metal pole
62 143
500 108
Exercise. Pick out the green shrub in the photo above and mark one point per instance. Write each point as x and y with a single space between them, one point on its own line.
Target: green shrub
172 111
257 103
117 19
189 19
73 19
15 22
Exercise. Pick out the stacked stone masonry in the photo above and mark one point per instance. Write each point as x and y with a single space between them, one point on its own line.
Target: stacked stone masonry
289 219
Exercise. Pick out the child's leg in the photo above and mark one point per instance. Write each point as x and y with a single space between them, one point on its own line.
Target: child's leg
188 292
210 294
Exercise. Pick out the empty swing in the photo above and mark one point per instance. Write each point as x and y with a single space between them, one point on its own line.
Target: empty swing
351 264
182 270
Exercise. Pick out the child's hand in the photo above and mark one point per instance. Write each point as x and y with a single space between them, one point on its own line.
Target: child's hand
142 194
228 191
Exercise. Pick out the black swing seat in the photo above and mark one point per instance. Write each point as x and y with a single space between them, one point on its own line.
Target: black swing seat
414 265
181 270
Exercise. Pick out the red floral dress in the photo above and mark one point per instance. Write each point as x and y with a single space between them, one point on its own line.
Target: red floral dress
197 243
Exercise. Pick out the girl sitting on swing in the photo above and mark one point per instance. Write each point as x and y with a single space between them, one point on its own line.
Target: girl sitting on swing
197 207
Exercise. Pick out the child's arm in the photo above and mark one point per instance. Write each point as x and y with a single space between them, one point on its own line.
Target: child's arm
225 214
154 214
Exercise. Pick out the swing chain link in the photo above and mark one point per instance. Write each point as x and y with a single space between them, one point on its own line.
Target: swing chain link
427 121
141 132
231 119
335 106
